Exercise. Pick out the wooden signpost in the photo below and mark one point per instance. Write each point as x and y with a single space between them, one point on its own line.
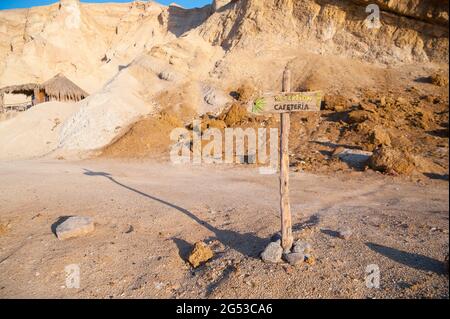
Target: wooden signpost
284 103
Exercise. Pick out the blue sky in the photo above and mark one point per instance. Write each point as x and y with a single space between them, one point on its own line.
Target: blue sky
12 4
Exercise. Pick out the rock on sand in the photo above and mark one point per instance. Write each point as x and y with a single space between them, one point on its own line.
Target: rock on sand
302 247
75 227
295 258
273 253
200 254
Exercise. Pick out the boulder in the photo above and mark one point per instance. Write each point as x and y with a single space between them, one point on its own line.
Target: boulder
379 137
389 160
75 227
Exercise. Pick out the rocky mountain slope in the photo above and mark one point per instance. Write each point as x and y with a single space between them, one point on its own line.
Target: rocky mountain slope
90 41
140 58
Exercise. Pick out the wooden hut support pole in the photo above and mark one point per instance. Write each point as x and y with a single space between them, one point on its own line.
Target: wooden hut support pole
35 97
285 208
2 102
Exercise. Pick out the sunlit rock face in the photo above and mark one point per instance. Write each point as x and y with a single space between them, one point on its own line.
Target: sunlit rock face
218 4
72 14
434 11
69 2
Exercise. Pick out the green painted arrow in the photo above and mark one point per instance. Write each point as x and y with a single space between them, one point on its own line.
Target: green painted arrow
259 105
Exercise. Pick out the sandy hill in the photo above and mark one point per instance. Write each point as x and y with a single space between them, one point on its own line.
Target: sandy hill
140 58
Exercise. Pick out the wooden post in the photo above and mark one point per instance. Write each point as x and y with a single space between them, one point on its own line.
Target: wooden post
285 208
35 99
2 102
284 103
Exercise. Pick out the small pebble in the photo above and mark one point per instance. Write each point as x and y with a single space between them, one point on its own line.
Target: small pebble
345 234
310 260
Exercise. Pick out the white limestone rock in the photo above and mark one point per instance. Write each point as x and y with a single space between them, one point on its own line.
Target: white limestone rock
75 227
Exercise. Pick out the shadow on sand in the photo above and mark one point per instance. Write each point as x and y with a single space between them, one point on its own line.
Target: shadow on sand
329 232
247 244
413 260
443 177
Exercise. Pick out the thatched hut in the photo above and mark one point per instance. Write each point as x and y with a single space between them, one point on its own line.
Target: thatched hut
26 90
58 88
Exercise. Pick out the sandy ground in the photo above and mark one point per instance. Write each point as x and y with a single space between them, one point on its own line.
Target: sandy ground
149 214
34 132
